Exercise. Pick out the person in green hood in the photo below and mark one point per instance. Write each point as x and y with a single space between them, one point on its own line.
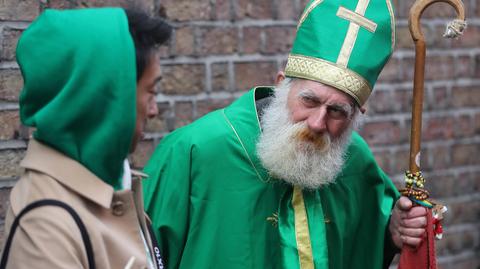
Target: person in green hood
280 179
89 86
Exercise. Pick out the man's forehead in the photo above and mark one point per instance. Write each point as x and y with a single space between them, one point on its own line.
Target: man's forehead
321 90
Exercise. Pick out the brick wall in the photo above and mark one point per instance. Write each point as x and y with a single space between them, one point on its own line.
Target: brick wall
221 48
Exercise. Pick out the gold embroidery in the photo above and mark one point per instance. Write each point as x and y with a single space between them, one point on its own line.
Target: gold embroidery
329 73
352 34
307 12
357 19
273 219
302 233
392 23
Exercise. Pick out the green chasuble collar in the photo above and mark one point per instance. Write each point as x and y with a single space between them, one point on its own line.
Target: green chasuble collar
243 118
295 229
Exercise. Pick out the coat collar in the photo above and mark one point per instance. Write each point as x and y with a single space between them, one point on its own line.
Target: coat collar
67 171
243 118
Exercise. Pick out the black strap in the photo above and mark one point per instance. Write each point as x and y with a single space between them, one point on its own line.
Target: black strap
156 248
49 202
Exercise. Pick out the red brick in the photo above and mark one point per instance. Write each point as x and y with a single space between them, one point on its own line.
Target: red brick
252 41
251 74
469 39
462 212
187 10
383 160
391 72
4 202
183 79
11 83
400 161
209 105
222 10
463 66
147 5
302 6
142 153
255 9
161 122
404 38
436 67
437 128
9 43
25 10
436 157
403 100
439 10
10 163
438 98
279 39
467 262
442 186
456 242
220 77
476 123
439 67
184 41
285 10
183 113
465 97
9 125
477 66
215 40
381 132
439 41
464 126
380 102
465 154
60 4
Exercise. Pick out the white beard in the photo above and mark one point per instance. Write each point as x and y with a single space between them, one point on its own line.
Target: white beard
309 164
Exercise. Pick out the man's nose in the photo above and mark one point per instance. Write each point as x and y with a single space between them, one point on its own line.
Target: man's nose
317 121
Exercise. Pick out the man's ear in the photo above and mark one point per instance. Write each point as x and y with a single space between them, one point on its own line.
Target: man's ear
280 77
363 109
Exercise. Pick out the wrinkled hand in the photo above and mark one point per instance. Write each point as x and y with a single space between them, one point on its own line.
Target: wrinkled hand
407 223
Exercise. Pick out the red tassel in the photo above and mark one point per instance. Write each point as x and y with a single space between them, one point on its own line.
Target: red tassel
422 257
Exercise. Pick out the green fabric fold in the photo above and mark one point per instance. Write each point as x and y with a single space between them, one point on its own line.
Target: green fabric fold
80 86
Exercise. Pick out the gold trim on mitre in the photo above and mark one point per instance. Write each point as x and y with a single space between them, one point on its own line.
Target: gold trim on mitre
329 73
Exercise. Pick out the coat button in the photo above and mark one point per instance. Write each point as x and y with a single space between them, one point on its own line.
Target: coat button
118 208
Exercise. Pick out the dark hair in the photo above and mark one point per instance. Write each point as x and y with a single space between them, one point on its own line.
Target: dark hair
147 33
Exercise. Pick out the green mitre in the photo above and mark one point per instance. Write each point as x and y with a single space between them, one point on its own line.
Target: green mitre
344 44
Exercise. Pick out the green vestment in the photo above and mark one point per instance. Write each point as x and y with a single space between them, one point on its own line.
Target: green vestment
213 205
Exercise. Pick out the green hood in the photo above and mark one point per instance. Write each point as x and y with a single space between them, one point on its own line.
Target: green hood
79 89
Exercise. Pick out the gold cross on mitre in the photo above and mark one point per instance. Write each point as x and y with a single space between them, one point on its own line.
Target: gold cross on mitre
357 20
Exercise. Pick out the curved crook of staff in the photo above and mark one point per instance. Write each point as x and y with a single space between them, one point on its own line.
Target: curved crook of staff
454 29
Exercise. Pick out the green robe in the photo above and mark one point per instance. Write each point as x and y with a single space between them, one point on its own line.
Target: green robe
213 205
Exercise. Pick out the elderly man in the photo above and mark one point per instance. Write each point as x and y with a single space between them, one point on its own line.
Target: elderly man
279 179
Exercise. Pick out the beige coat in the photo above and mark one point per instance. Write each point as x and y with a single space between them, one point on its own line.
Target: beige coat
48 236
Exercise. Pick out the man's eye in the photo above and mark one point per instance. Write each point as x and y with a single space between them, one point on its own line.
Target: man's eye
337 112
309 101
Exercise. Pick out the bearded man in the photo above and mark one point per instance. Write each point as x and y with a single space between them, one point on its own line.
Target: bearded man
280 179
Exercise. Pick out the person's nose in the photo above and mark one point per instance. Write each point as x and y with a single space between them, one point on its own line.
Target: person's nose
317 121
152 110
